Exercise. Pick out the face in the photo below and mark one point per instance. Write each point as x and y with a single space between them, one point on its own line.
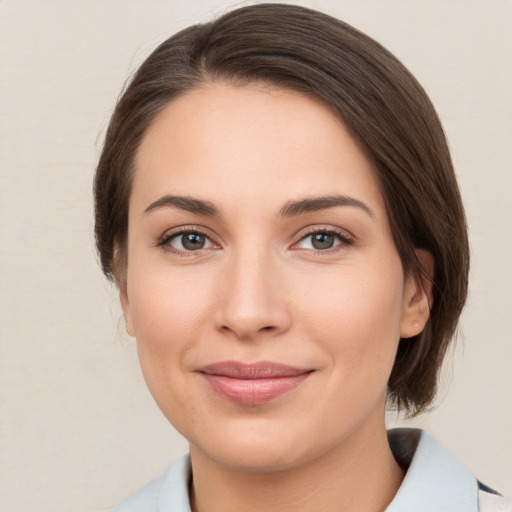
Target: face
263 286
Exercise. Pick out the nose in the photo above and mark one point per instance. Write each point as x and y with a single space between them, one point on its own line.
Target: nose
252 299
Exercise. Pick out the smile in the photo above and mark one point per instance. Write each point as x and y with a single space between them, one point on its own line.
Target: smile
252 384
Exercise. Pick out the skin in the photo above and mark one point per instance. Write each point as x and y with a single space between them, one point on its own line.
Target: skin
260 291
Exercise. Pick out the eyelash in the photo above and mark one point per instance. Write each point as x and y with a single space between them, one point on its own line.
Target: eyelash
164 241
343 238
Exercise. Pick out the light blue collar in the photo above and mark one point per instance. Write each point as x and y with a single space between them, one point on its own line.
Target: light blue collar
174 490
435 481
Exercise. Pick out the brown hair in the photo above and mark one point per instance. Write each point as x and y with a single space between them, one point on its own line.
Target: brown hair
379 101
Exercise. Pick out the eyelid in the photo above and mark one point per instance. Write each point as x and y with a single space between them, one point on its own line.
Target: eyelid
163 240
346 238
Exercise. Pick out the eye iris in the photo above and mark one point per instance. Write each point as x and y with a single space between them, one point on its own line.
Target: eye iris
193 241
322 240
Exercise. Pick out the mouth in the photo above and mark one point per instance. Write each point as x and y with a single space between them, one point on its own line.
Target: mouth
252 384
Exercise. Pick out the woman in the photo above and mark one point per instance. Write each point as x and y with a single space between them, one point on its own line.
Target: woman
277 205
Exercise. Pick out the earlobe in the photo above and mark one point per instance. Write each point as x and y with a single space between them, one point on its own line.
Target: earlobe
418 297
125 306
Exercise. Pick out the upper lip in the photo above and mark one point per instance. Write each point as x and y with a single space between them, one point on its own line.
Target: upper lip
259 370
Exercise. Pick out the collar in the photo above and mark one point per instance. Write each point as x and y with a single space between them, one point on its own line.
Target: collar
435 480
174 489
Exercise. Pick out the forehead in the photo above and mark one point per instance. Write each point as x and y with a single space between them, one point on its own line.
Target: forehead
240 143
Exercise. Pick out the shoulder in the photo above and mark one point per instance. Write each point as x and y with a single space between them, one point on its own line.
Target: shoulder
491 501
166 492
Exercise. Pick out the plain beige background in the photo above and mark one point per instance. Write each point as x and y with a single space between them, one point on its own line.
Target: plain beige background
78 430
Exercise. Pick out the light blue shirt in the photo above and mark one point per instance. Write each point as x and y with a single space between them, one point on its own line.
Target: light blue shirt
435 481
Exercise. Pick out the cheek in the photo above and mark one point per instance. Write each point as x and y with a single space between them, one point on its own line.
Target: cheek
166 317
356 316
168 311
166 299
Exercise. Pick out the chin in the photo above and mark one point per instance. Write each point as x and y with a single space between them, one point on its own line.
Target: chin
253 448
258 458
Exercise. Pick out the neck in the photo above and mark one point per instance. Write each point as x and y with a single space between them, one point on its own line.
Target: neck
359 474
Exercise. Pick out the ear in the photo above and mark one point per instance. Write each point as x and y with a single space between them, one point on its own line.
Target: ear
125 305
418 297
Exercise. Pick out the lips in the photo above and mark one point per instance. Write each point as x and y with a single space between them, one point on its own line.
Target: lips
252 384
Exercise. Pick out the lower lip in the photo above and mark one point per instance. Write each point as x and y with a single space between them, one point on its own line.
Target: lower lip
253 391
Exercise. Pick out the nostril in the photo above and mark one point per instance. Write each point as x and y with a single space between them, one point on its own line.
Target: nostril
226 328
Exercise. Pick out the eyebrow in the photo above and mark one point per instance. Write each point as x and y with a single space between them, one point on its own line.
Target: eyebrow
290 209
314 204
189 204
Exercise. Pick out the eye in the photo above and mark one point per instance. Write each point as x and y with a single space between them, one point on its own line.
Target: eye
322 240
186 241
